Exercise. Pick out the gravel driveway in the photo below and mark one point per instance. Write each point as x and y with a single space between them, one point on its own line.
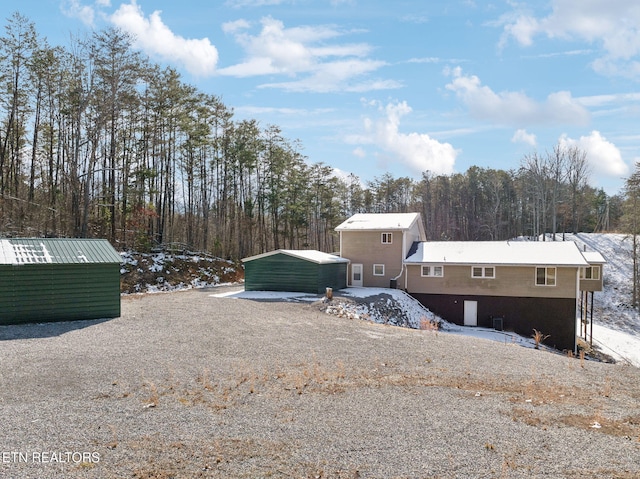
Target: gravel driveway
188 385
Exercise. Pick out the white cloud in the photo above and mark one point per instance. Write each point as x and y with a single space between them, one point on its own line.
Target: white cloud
603 156
522 29
74 9
521 136
359 152
515 108
305 55
253 3
612 24
198 56
338 76
417 151
265 3
235 26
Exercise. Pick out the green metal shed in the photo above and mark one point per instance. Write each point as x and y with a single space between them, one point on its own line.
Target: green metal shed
307 271
55 279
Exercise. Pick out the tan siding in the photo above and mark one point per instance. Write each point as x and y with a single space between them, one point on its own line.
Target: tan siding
514 281
366 248
591 284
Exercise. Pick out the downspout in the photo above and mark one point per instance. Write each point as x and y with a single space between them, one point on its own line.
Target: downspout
348 264
400 274
575 316
402 265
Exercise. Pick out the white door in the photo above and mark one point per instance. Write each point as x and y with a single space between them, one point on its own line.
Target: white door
356 275
470 313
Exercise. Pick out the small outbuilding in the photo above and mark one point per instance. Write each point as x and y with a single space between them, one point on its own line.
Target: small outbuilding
55 279
307 271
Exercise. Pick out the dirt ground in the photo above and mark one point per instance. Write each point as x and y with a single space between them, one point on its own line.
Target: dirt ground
187 385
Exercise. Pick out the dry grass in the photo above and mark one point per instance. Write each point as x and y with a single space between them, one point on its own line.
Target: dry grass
539 401
539 337
219 458
427 324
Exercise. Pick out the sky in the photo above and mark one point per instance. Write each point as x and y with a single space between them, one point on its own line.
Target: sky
372 87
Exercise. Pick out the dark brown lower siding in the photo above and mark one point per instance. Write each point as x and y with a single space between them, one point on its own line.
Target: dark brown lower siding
552 316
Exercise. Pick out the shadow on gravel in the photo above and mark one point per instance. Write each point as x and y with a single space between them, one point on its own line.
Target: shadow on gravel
44 330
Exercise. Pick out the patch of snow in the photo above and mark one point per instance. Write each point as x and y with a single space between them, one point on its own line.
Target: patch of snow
267 295
619 345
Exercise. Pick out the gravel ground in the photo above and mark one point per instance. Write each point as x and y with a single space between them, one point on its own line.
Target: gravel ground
188 385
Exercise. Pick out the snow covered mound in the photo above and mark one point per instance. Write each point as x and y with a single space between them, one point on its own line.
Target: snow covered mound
397 308
384 306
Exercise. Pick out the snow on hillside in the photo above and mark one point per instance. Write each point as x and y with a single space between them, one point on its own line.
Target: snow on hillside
616 325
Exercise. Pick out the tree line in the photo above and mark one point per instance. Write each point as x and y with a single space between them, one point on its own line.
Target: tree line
98 141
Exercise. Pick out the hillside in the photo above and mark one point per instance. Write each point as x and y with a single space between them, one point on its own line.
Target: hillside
616 323
164 272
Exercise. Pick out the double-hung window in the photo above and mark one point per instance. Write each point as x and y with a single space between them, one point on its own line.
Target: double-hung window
483 272
590 272
435 271
545 276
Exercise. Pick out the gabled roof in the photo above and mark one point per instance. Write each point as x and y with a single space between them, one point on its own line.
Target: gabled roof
512 253
308 255
379 221
56 251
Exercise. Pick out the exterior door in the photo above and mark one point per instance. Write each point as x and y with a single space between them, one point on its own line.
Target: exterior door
470 313
356 275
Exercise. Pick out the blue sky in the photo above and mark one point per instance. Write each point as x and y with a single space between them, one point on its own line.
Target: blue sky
370 87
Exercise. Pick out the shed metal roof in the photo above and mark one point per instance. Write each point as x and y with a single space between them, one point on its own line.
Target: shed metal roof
56 251
308 255
519 253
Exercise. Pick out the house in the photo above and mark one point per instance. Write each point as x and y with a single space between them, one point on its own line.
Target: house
58 279
512 285
307 271
376 245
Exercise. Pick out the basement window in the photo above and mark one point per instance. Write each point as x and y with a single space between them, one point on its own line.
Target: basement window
378 270
432 271
545 276
483 272
387 238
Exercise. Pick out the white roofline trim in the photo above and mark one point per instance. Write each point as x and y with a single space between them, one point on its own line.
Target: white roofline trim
314 256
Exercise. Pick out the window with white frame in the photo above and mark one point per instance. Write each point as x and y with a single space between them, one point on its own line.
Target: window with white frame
378 270
483 272
432 271
590 272
387 238
545 276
